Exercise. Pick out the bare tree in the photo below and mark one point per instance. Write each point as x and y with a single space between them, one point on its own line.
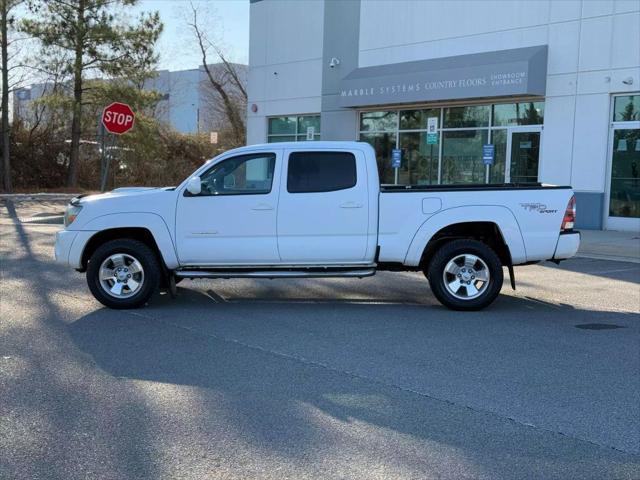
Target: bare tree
227 83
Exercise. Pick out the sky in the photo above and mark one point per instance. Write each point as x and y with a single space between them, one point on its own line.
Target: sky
225 20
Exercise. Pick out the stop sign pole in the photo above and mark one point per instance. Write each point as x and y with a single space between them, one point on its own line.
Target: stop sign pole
117 118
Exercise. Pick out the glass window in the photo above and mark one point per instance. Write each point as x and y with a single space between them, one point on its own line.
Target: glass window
419 160
462 156
625 174
382 143
305 122
626 108
465 117
320 171
378 121
282 125
417 119
242 175
293 128
527 113
499 140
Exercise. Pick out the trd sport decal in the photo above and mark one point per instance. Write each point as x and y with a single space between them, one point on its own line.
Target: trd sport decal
537 207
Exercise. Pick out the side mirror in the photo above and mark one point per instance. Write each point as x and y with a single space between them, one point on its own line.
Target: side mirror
194 186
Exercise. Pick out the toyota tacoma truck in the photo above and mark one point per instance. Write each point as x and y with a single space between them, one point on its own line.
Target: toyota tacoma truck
312 209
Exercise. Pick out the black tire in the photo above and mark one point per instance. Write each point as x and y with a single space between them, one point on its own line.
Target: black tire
453 250
131 248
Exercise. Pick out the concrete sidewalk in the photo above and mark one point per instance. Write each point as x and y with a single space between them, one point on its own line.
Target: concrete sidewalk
610 245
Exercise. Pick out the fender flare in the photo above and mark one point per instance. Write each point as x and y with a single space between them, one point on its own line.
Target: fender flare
150 221
497 214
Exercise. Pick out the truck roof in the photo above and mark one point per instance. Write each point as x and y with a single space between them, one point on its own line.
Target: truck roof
311 145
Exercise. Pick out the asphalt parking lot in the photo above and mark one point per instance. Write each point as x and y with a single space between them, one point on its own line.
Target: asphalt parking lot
322 378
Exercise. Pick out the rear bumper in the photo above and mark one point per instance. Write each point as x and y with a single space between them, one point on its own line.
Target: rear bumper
567 247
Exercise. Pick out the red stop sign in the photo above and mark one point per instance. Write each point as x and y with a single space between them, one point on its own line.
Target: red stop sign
118 118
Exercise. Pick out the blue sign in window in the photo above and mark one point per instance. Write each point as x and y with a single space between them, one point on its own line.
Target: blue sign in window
396 158
488 154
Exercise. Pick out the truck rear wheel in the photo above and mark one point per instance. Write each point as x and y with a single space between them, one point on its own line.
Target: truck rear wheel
123 273
465 275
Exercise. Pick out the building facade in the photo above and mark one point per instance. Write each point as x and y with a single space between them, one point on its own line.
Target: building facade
188 102
468 91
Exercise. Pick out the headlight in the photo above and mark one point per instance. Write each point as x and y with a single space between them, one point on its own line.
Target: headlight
71 213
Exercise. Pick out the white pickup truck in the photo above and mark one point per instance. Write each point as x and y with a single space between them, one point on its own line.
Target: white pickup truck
312 209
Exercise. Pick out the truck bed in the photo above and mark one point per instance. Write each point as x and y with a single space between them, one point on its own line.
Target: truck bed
528 216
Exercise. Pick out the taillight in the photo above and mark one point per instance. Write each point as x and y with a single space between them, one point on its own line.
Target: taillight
569 215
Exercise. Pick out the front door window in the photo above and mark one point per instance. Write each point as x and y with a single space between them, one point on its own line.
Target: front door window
525 155
624 200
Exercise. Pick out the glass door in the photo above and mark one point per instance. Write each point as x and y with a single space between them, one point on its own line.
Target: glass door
624 186
524 160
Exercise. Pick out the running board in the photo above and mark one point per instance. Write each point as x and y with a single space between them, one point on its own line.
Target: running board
275 273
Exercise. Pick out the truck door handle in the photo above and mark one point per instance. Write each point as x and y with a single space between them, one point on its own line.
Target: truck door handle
351 205
262 206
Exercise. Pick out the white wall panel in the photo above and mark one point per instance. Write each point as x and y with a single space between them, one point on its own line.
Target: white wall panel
256 129
590 142
256 84
619 76
258 33
558 85
294 30
557 141
413 22
564 42
291 106
594 82
594 8
561 11
622 6
293 80
595 43
527 37
625 48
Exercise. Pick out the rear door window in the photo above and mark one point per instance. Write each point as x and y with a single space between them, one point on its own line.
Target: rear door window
313 172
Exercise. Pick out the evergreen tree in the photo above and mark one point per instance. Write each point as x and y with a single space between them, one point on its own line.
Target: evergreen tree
93 39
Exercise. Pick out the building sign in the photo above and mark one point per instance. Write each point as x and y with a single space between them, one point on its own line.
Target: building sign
520 71
432 130
396 158
488 154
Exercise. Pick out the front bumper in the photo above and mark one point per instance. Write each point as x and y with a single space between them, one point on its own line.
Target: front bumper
567 247
64 241
70 246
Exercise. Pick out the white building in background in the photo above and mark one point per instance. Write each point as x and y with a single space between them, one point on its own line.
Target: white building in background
186 105
553 85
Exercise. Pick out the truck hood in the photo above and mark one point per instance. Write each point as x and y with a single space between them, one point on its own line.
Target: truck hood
123 201
118 193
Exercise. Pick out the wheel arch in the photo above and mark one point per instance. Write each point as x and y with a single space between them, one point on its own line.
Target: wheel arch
486 232
494 225
148 228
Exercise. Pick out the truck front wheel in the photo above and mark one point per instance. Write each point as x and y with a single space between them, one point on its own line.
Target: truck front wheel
123 273
465 275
